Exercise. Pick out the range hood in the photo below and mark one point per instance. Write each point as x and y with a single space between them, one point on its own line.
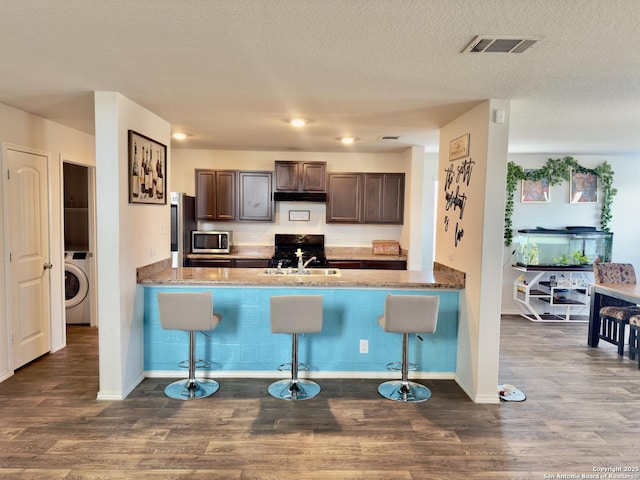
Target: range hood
300 197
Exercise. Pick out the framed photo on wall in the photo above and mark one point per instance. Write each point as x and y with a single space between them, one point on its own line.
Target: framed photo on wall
583 187
147 170
535 191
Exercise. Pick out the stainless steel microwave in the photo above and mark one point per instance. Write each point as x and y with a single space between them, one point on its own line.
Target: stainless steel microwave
210 242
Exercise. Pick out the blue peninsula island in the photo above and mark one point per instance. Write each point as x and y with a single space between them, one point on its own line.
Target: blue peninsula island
243 346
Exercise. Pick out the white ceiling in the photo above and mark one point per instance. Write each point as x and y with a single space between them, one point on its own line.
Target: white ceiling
231 72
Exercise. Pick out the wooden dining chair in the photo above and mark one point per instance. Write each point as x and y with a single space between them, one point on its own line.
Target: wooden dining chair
615 318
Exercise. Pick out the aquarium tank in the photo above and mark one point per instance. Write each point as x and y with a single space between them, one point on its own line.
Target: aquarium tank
572 247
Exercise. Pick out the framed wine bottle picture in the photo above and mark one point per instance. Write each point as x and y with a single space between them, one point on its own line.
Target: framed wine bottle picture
147 170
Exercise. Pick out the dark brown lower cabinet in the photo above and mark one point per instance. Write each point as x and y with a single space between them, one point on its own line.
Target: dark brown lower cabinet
230 263
384 264
209 262
344 263
251 263
370 264
264 263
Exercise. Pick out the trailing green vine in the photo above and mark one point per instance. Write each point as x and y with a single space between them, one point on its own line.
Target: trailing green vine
556 171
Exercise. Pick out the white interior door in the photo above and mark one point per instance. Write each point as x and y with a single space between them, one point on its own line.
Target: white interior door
28 243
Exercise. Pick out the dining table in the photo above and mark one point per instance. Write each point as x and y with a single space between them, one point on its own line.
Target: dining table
604 294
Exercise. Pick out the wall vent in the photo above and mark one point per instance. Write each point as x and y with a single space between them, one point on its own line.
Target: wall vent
494 44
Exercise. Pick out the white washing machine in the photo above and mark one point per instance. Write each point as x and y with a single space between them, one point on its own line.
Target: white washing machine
76 287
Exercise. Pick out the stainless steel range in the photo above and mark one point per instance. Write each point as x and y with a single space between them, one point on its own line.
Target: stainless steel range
286 246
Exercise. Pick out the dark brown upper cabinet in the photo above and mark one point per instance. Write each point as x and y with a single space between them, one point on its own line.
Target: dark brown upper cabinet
366 198
384 198
298 176
215 195
234 195
345 197
255 202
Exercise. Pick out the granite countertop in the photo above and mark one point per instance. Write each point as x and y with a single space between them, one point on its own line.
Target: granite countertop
437 279
332 253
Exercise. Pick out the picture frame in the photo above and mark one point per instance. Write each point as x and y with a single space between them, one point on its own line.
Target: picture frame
583 187
459 147
299 215
147 170
535 191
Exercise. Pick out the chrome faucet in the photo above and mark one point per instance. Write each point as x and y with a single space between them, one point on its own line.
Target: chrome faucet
304 265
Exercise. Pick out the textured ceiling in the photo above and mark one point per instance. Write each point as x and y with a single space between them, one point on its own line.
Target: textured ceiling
231 72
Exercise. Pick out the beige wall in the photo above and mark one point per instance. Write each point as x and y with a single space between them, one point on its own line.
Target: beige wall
471 242
129 236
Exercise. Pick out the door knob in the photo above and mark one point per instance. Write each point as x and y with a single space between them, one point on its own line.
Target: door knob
47 266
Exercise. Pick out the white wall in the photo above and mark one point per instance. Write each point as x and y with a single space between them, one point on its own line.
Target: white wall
60 142
416 234
129 236
470 241
559 213
421 184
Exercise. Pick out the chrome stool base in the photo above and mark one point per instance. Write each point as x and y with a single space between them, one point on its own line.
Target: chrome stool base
294 390
191 389
400 391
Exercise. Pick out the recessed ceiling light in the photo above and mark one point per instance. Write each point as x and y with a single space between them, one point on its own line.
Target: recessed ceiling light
298 122
347 140
179 136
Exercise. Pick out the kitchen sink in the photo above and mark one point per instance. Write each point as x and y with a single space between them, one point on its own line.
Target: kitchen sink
312 272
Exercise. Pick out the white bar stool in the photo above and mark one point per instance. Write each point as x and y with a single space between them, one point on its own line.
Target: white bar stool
295 314
407 314
191 312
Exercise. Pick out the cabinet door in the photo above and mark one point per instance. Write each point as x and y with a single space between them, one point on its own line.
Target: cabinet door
314 176
393 198
206 262
255 196
225 195
384 198
344 203
373 190
205 199
251 263
287 176
385 264
344 264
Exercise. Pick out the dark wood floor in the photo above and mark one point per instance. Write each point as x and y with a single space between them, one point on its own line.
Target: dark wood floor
582 412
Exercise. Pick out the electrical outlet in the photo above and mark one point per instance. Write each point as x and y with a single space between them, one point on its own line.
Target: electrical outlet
364 346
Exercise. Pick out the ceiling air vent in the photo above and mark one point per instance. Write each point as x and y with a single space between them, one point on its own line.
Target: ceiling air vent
389 137
493 44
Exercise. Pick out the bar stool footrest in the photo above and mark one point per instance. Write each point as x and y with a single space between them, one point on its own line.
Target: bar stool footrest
199 364
302 367
397 366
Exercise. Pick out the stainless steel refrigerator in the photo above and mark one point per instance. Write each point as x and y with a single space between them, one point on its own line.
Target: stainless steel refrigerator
183 221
